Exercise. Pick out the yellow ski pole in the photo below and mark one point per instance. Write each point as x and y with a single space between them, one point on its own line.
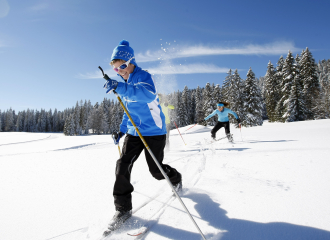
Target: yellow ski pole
117 145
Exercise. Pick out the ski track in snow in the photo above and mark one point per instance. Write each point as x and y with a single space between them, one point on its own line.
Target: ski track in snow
204 167
42 139
196 165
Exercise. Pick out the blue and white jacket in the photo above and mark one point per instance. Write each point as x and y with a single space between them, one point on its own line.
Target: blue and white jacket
139 94
222 116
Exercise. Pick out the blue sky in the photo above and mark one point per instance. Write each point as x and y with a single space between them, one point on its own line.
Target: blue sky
50 50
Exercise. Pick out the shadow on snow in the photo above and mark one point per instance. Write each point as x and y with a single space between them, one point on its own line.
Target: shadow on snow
238 229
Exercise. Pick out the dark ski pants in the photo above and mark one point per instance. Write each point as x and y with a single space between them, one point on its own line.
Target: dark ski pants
132 149
220 125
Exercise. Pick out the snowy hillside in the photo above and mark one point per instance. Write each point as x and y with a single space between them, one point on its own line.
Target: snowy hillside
273 183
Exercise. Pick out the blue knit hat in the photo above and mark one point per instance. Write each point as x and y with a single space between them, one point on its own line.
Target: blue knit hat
220 105
123 51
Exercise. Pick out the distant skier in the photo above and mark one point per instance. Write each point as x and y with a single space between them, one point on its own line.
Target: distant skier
223 121
139 94
165 108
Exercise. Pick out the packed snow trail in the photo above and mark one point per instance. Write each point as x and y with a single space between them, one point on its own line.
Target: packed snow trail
272 185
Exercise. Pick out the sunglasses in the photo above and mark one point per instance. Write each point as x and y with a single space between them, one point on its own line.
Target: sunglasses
123 66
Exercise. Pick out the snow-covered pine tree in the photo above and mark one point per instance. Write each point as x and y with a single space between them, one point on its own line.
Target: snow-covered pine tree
19 122
71 127
9 121
111 112
97 116
185 98
25 122
271 92
61 120
181 113
324 79
105 116
261 86
208 106
217 93
311 83
76 119
55 121
303 111
49 118
279 77
38 123
252 103
116 117
120 113
66 127
285 86
199 116
236 97
82 112
296 103
42 121
87 116
226 86
213 99
192 106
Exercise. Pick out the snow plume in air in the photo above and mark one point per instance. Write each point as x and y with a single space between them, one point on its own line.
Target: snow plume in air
165 82
168 65
275 48
171 68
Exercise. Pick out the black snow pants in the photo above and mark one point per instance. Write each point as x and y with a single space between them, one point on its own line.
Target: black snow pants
220 125
132 149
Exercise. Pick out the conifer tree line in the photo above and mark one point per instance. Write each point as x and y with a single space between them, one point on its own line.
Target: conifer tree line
296 89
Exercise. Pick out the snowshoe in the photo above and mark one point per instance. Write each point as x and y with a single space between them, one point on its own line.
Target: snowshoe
118 219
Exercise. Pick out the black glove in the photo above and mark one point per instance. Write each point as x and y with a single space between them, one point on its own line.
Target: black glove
201 122
106 77
238 121
116 136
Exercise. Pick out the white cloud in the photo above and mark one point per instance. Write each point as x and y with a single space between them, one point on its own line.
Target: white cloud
166 54
165 69
187 69
96 74
275 48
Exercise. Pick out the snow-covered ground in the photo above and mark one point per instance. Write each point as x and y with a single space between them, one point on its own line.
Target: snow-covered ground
273 183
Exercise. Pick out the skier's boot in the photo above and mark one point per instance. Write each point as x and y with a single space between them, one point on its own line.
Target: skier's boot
118 219
230 138
213 136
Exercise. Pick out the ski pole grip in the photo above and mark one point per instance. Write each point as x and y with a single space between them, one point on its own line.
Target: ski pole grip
105 76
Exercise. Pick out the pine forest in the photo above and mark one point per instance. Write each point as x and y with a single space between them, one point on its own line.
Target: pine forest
295 89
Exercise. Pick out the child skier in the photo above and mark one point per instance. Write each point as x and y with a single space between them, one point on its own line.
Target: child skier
223 121
139 94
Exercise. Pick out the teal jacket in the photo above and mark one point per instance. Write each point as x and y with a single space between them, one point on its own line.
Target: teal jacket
222 116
